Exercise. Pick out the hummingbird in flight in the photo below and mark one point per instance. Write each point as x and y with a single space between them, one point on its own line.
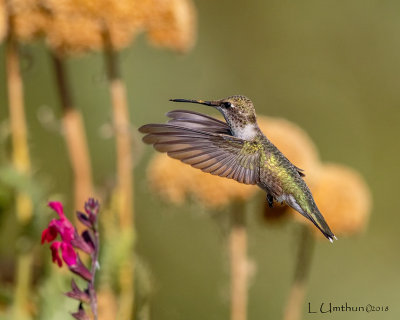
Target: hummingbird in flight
235 149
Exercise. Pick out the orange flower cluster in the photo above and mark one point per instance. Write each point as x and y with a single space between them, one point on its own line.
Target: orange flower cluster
175 26
27 17
78 26
3 20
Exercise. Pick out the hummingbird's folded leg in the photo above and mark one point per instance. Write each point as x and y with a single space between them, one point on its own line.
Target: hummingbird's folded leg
270 200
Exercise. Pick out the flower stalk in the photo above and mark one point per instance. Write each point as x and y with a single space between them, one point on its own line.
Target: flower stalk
95 264
75 136
238 262
124 188
297 292
20 154
21 162
122 133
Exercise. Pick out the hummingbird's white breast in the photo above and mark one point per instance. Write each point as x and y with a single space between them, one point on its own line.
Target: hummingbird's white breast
247 132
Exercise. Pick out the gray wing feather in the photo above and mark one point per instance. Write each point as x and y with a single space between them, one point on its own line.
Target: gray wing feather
215 153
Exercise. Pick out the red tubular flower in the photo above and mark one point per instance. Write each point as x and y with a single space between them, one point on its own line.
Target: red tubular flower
66 249
66 230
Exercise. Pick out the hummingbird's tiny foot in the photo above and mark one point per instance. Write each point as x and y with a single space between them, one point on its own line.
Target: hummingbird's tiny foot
335 237
330 239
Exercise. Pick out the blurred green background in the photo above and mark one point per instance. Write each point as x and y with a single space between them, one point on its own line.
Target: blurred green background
333 67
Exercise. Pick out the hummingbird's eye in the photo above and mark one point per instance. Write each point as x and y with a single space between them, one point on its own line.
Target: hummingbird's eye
227 104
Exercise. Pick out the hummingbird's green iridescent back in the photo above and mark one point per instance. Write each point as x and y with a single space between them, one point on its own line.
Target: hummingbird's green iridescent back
284 182
235 149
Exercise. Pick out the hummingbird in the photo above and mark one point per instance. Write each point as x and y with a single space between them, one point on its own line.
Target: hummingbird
235 149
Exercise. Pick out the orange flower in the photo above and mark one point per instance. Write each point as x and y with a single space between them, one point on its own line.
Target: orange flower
29 20
172 24
77 26
123 19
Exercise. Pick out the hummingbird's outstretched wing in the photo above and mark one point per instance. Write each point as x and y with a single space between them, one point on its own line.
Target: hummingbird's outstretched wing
215 153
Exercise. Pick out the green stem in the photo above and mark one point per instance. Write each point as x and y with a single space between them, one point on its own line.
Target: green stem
95 263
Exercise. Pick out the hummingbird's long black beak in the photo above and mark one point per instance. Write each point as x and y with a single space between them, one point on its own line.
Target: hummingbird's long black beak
207 103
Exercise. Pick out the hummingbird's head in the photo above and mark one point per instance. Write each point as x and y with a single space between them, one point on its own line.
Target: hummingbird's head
238 112
239 109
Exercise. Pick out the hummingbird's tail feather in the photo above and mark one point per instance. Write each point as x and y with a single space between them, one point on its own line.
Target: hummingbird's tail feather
318 220
314 215
323 227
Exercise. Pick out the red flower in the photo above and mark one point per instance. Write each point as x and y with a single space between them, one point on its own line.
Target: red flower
67 251
66 230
